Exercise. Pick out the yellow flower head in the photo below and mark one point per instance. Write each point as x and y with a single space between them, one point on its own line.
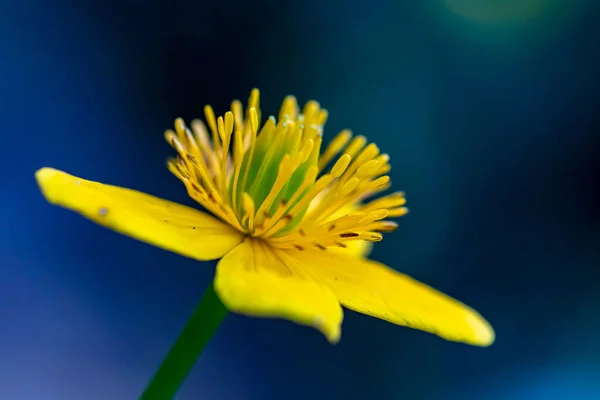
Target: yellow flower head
294 221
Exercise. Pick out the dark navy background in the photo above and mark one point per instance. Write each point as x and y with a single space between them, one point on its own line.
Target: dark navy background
489 112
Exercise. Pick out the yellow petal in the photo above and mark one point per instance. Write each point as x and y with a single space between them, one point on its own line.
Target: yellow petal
253 280
374 289
147 218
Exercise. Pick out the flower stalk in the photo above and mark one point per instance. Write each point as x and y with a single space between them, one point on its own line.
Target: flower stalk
201 326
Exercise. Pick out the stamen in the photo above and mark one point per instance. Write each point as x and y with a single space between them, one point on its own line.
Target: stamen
185 136
349 235
367 169
363 157
212 124
271 153
203 172
336 145
390 201
248 205
374 216
340 166
398 212
278 224
349 186
201 135
262 180
289 109
225 128
238 158
355 145
253 101
320 185
284 173
238 115
252 116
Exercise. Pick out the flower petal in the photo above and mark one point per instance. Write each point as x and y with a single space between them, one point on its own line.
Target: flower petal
374 289
253 280
147 218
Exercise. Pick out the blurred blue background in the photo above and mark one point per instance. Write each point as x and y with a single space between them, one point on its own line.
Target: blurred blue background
488 110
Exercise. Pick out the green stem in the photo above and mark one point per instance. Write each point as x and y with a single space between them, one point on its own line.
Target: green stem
201 326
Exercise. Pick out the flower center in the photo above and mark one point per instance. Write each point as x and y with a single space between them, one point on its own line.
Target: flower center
276 184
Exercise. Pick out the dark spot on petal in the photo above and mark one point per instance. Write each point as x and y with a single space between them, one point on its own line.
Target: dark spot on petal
193 227
340 244
301 232
319 245
331 227
266 214
299 247
288 217
283 202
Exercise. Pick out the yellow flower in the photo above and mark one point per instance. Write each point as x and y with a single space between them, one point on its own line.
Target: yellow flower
293 223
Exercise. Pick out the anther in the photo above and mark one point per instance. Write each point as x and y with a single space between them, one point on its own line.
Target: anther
253 100
373 237
355 145
253 119
398 212
210 118
340 166
379 182
349 234
350 186
228 123
375 215
196 187
180 127
182 171
386 226
367 168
